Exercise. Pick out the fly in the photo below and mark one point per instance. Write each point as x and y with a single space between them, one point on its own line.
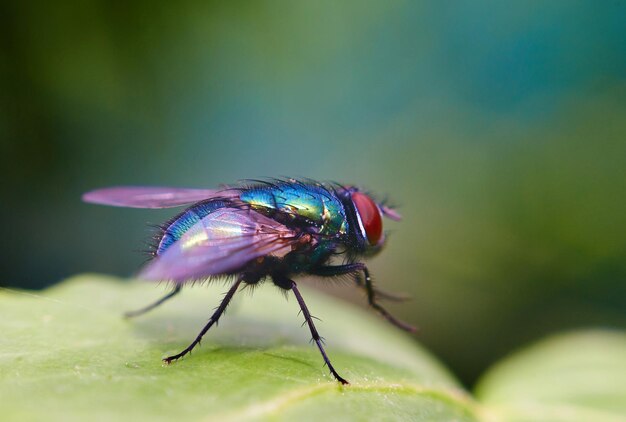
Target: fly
264 230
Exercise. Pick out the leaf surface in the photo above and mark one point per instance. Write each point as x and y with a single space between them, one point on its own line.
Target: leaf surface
579 376
67 354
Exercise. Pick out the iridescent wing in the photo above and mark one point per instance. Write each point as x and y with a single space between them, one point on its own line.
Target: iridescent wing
150 197
223 242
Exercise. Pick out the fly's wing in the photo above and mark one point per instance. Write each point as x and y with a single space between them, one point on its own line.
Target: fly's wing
221 243
150 197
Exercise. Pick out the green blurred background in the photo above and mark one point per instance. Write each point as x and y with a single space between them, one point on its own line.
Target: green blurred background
498 127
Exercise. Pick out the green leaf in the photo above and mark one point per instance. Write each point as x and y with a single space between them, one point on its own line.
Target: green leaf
67 354
570 377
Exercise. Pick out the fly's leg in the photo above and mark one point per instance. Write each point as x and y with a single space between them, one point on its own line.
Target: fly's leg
383 294
379 293
371 298
337 270
356 269
132 314
314 333
213 320
372 293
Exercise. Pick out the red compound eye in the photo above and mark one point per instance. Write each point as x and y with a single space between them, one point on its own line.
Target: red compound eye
370 217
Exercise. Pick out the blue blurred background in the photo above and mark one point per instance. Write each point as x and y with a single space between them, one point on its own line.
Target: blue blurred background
498 127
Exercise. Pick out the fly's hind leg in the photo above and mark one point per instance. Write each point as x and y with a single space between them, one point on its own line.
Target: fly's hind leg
357 269
213 320
132 314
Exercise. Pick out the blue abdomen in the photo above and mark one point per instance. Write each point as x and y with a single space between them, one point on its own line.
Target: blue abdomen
177 226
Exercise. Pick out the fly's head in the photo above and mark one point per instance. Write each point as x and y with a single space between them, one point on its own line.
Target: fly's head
365 218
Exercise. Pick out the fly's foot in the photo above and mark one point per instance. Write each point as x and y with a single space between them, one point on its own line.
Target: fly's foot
168 360
340 379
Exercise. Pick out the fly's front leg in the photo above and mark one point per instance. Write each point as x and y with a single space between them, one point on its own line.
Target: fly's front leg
372 293
371 298
356 269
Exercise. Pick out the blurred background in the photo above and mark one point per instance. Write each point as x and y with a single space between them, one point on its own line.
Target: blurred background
499 128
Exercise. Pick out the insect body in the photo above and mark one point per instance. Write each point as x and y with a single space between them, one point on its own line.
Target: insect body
268 230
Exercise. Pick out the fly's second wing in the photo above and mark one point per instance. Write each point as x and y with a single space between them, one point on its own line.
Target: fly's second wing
150 196
220 243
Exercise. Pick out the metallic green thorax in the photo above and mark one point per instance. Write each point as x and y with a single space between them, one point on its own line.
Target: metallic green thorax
312 202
